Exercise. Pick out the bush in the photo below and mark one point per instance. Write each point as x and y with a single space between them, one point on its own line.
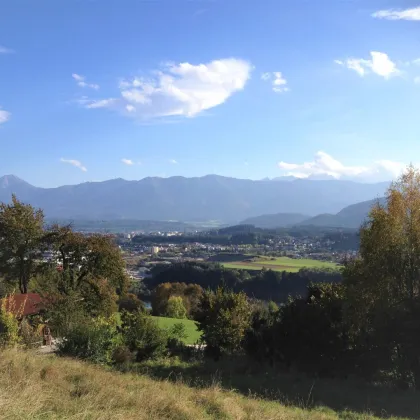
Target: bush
309 334
142 336
30 337
224 319
9 325
131 303
93 340
177 335
121 355
175 308
65 313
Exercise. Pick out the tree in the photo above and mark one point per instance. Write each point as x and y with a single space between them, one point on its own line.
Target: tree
131 303
84 258
21 242
175 308
190 294
223 318
383 284
90 267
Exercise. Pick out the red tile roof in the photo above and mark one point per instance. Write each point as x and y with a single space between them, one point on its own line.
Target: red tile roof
23 304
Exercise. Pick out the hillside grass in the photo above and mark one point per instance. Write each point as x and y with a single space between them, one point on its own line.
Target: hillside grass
193 334
39 387
280 264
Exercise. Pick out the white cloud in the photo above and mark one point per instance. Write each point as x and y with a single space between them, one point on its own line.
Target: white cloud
4 50
102 103
380 64
75 163
398 14
81 81
278 82
4 116
179 89
417 80
325 165
127 162
173 161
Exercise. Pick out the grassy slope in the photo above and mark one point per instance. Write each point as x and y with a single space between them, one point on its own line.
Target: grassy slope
281 264
46 387
190 327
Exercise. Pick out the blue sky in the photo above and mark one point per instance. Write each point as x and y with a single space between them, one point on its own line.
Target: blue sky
97 89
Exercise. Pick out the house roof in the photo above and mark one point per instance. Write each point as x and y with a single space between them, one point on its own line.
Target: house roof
23 304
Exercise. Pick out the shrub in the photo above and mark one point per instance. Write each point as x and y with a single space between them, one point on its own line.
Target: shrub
177 335
93 340
224 318
309 334
65 313
121 355
142 336
175 308
30 337
131 303
9 325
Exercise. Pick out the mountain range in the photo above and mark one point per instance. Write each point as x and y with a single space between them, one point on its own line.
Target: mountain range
350 217
212 197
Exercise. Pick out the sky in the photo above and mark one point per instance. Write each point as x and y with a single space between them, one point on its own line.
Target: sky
92 90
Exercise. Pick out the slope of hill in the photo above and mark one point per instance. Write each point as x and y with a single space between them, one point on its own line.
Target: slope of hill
45 387
210 197
275 220
349 217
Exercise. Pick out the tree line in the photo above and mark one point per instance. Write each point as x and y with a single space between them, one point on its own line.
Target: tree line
263 284
250 235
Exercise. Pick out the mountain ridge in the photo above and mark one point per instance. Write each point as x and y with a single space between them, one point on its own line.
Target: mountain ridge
211 197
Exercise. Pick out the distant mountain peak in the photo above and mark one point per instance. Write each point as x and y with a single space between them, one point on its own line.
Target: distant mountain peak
10 181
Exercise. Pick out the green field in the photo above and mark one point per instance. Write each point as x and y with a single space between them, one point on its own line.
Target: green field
280 264
190 327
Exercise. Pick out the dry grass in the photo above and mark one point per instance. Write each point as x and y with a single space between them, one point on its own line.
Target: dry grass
48 387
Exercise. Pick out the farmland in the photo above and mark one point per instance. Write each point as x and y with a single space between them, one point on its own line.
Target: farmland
279 264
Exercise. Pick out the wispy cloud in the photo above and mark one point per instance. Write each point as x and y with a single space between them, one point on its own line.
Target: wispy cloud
4 50
278 82
4 116
94 104
127 162
75 163
173 161
81 81
398 14
379 64
178 90
325 164
417 80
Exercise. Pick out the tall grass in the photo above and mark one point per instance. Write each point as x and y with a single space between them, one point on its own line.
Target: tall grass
47 387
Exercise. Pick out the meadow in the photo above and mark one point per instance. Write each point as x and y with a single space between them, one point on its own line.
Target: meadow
280 264
193 335
46 387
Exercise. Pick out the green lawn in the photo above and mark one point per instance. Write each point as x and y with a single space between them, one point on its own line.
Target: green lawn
280 264
190 327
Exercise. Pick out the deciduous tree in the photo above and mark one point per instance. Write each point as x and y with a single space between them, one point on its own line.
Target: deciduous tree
21 242
383 284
